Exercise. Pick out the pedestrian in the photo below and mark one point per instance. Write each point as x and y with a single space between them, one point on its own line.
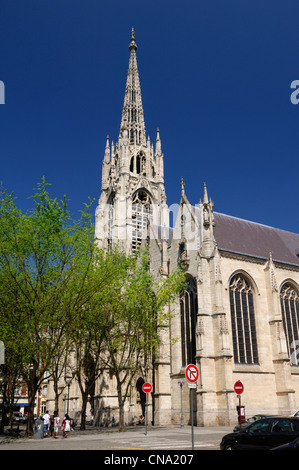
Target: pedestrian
66 426
141 420
56 425
46 418
91 416
51 425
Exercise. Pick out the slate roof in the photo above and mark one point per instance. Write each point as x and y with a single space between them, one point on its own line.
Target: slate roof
250 238
243 237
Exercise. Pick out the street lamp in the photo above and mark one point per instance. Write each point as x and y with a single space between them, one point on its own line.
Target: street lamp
181 381
68 394
65 395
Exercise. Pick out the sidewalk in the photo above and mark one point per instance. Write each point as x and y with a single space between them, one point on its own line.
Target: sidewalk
134 438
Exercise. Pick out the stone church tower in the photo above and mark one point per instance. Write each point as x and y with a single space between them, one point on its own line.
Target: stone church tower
238 317
133 191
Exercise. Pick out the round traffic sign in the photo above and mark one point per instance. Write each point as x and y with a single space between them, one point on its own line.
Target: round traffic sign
147 387
192 373
239 387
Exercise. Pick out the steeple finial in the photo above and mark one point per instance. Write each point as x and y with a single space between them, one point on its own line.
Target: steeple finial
182 186
107 151
158 143
205 196
133 45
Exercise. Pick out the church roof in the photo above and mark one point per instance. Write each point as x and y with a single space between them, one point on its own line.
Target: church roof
249 238
244 237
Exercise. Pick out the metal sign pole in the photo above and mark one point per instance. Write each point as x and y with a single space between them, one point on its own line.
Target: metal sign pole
192 420
146 407
240 417
182 414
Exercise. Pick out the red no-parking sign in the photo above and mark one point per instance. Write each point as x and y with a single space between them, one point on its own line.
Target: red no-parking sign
192 373
239 387
147 387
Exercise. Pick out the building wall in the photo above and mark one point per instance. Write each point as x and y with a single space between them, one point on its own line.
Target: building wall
271 386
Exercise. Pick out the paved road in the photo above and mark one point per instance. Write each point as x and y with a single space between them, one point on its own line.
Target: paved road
157 438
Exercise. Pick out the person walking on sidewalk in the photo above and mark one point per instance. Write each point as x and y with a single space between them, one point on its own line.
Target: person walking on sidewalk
66 426
46 424
56 425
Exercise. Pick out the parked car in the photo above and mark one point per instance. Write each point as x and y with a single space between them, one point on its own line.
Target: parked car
19 418
263 434
249 421
294 445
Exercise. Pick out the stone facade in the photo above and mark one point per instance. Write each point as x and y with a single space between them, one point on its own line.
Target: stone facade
239 316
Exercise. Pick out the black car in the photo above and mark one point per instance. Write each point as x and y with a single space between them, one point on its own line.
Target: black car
19 418
294 445
264 434
250 421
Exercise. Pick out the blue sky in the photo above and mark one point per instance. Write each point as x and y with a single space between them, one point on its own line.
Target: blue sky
215 78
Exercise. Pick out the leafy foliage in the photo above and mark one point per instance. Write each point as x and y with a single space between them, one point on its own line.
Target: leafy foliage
70 308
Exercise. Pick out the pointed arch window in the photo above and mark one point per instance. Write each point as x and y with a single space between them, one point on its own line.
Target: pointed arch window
243 321
132 165
110 227
289 301
138 164
188 306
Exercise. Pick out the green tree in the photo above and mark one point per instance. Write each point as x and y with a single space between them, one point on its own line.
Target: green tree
90 325
135 312
44 259
65 301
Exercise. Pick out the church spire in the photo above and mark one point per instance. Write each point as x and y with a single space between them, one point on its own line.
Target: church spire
132 114
132 174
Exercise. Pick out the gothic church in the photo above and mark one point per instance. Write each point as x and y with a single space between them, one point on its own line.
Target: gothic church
238 318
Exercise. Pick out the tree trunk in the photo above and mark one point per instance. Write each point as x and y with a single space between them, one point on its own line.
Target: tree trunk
121 421
56 393
32 386
83 410
30 416
3 408
3 417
